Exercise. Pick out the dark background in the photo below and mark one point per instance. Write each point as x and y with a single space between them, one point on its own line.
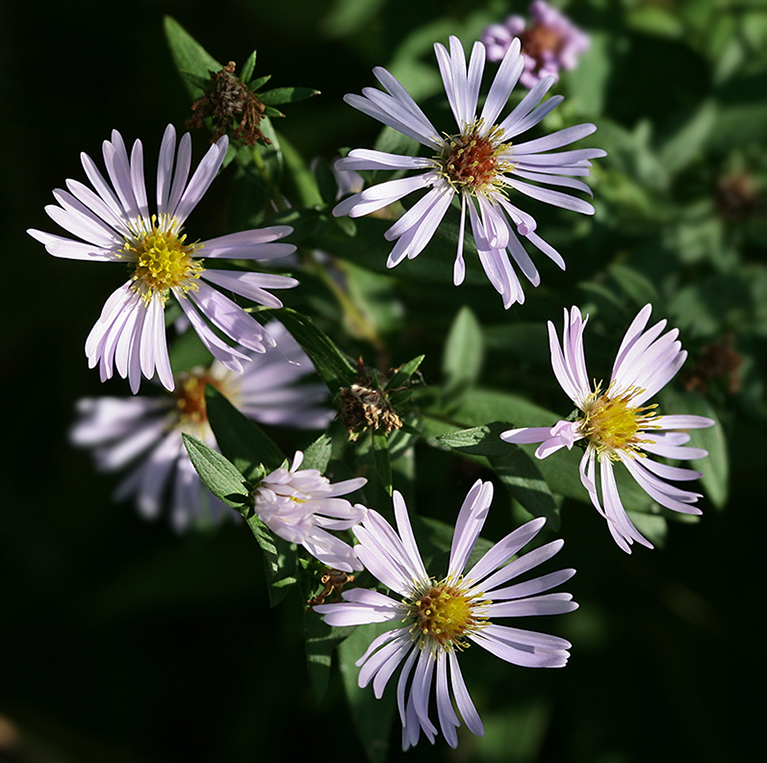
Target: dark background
122 642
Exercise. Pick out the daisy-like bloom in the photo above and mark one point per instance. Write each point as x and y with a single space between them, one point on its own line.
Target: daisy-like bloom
436 619
616 423
115 224
551 42
301 505
148 429
480 163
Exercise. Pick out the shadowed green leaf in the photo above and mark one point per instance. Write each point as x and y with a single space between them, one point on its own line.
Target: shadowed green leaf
463 356
242 440
372 717
332 365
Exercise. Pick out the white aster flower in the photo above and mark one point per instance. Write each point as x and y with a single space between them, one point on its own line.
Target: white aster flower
435 619
617 425
122 431
301 505
114 224
480 163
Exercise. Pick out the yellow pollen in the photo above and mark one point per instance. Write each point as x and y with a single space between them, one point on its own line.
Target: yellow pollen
162 260
443 615
470 162
612 423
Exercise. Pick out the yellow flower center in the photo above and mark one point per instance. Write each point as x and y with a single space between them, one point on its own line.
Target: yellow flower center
443 615
163 259
471 162
612 423
190 398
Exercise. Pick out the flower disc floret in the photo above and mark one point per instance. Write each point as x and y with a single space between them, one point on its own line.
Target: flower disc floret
617 425
434 620
444 614
163 261
482 162
145 431
612 423
113 223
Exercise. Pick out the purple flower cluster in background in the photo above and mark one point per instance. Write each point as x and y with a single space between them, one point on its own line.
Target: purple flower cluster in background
550 42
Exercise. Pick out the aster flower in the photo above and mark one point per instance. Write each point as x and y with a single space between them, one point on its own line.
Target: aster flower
616 423
435 619
115 225
551 42
480 164
148 429
301 505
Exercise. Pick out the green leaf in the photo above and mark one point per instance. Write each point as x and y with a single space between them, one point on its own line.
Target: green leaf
301 175
253 85
247 69
520 475
688 142
372 717
282 95
485 405
332 365
189 56
479 441
317 455
516 470
463 356
636 286
321 641
241 439
218 474
280 560
715 468
403 373
381 458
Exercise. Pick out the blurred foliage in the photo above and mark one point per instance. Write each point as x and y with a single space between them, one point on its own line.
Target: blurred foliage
123 642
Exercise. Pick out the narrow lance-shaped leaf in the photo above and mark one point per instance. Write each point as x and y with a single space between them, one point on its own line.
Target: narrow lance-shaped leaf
321 641
247 69
282 95
218 474
462 360
381 458
189 56
241 439
372 717
332 365
317 455
516 470
279 560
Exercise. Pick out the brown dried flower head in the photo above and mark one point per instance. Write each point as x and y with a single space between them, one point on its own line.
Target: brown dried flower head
365 406
231 105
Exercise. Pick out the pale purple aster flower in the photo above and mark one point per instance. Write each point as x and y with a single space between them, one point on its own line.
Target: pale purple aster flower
301 505
617 425
434 620
551 42
115 224
480 164
146 430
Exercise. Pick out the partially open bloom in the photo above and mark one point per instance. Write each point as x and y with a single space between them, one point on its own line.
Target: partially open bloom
115 225
301 505
616 423
479 163
551 42
148 429
433 620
